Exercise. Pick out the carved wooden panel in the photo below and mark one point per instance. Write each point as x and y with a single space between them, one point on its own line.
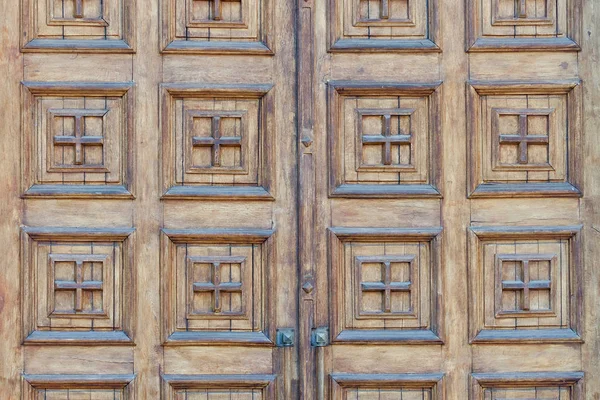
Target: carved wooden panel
217 141
383 25
527 385
525 284
503 25
78 387
525 139
216 286
217 26
384 282
217 387
77 140
77 281
389 386
78 25
384 139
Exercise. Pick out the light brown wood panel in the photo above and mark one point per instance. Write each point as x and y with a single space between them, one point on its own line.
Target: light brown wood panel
299 199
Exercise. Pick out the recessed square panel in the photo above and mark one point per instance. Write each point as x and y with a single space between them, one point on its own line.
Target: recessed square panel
216 287
383 140
80 25
76 387
77 281
524 283
76 142
388 386
217 26
503 25
222 386
527 385
524 141
385 282
383 25
217 142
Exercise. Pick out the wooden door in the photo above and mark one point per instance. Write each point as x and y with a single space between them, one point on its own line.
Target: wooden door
335 199
150 154
451 218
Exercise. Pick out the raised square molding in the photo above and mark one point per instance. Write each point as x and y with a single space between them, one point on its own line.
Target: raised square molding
524 139
400 386
384 139
523 25
531 385
83 26
218 141
77 282
217 26
525 284
77 140
117 387
217 286
383 26
385 285
259 387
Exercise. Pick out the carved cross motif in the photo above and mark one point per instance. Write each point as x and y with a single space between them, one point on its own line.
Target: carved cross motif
525 285
216 286
523 139
218 9
78 12
216 141
385 9
78 285
522 9
79 140
385 138
387 286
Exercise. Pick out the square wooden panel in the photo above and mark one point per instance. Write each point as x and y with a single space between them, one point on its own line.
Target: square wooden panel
80 25
526 25
75 387
77 281
527 385
388 386
217 141
384 139
77 140
385 283
383 25
201 387
217 286
525 284
217 26
525 139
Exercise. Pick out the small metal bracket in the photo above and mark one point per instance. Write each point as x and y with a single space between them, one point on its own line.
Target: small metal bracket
285 337
320 337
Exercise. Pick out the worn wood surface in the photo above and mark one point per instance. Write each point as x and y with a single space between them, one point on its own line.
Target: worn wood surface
411 186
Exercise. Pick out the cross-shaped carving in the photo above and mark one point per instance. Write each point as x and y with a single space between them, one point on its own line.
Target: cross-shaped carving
522 9
525 285
387 286
216 287
216 141
78 285
218 9
78 12
79 140
523 139
385 138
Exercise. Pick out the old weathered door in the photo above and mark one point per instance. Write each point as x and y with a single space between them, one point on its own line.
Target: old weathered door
311 199
149 177
449 172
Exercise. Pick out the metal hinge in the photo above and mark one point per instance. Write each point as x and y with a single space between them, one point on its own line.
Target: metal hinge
286 337
319 337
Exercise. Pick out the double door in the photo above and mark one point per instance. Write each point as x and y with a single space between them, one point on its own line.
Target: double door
321 199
